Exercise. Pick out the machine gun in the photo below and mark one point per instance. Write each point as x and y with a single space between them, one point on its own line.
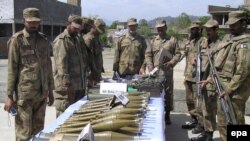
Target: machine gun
225 104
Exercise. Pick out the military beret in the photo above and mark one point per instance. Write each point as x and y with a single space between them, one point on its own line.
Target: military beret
160 23
132 21
235 16
75 21
196 23
31 14
211 23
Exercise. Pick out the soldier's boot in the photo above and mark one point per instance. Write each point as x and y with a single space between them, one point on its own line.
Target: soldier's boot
198 129
204 136
190 124
167 118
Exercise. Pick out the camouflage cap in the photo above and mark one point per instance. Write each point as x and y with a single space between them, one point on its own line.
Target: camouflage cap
31 14
100 25
132 21
87 21
196 23
211 23
160 23
75 20
235 16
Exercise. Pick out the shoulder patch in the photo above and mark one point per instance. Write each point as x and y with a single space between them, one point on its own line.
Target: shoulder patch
245 45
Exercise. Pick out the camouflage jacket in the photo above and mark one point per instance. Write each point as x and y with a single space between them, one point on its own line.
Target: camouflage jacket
191 54
168 43
129 54
70 62
95 52
205 63
29 65
232 62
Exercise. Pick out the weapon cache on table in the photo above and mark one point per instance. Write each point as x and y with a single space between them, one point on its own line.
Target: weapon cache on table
110 122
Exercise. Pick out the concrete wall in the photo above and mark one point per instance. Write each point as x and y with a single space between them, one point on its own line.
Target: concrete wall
6 11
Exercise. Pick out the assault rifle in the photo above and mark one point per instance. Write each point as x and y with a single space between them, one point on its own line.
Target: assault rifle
225 104
198 71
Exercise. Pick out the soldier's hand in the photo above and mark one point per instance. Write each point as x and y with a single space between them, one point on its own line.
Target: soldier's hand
203 83
8 104
150 68
193 61
142 71
51 98
223 95
167 65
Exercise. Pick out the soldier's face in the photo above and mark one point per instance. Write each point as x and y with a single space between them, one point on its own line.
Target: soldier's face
237 28
194 32
161 30
32 26
211 32
73 31
132 28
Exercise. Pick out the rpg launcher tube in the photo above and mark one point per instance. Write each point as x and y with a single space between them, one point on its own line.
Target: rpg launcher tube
95 121
99 127
114 136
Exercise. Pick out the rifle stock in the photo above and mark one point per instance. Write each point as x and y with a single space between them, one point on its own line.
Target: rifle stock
225 104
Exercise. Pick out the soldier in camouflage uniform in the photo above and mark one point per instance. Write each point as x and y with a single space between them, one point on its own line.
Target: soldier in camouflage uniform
209 97
70 57
30 78
162 40
130 52
232 62
95 47
190 77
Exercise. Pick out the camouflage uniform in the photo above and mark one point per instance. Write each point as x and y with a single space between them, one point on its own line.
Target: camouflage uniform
129 54
209 103
95 52
232 63
70 57
30 78
189 73
169 43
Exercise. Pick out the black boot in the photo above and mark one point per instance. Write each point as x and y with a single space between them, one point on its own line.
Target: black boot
167 118
190 124
204 136
198 129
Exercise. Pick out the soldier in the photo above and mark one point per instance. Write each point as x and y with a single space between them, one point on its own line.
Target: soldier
130 52
30 79
70 65
162 40
232 62
209 97
196 42
95 51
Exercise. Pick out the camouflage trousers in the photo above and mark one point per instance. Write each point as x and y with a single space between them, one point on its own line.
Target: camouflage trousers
63 100
209 110
239 110
30 118
194 103
168 98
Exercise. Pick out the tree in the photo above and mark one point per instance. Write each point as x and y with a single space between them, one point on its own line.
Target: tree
182 21
145 31
143 22
204 19
113 25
